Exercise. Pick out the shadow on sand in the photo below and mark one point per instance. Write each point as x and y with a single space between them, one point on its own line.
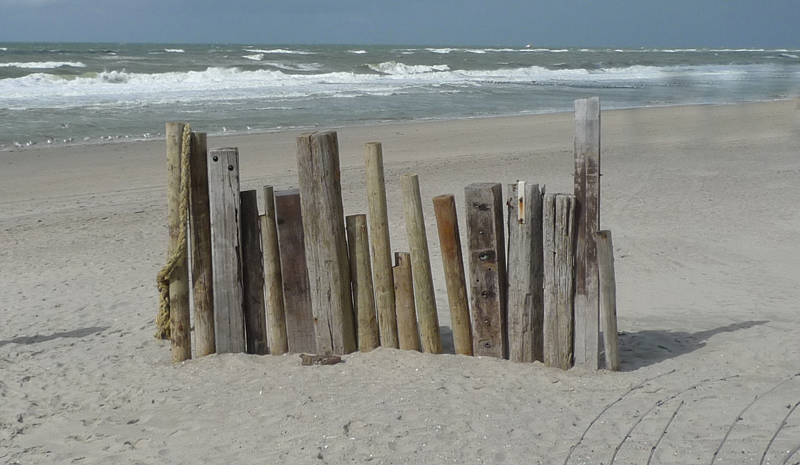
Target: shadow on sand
39 338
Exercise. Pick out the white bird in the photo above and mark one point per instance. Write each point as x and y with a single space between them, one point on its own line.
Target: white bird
49 140
224 129
17 145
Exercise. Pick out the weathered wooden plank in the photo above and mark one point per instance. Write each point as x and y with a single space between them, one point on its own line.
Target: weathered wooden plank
381 247
202 289
587 195
255 323
179 319
273 280
296 293
608 298
525 272
407 332
559 272
226 268
487 268
444 206
424 294
325 242
361 279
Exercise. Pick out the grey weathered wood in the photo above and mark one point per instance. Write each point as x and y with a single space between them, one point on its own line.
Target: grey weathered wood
608 298
273 280
202 289
525 272
487 268
296 292
407 332
381 247
223 202
424 294
559 272
179 320
255 323
361 279
325 242
587 195
444 206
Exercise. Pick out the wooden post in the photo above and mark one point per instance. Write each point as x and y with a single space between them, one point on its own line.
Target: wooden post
444 206
487 267
326 247
587 195
296 294
424 294
202 289
608 297
559 271
361 278
381 248
525 272
180 335
255 324
223 203
273 281
408 336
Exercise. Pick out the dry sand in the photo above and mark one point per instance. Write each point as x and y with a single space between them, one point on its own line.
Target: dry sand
702 202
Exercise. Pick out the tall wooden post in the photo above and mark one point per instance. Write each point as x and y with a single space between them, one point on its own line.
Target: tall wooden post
361 277
179 322
525 272
326 246
487 268
296 292
444 206
587 195
381 248
226 268
559 272
407 332
255 324
202 288
608 298
273 281
424 294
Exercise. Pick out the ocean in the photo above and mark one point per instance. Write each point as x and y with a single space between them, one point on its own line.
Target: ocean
56 94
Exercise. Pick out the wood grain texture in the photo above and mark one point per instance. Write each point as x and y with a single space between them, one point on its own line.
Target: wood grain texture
608 298
525 272
325 242
296 292
424 294
273 280
487 268
559 273
381 246
255 323
407 332
202 287
226 268
179 318
444 207
361 280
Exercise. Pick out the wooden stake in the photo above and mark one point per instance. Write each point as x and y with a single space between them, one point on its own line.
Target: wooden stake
407 332
180 335
381 247
226 271
361 278
255 324
273 281
587 195
444 206
525 272
487 267
202 288
608 297
296 293
326 247
559 272
424 296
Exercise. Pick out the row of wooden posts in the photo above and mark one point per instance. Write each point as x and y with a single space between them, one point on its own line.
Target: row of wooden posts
302 278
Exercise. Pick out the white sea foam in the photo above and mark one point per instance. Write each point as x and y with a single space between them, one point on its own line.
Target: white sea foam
3 49
294 66
279 51
357 52
254 57
43 64
174 50
402 69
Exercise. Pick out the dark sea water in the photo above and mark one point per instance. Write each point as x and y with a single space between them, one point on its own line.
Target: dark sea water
84 93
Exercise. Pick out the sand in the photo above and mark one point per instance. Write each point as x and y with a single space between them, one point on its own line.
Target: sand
702 202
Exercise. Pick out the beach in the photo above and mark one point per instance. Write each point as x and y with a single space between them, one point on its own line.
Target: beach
702 202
